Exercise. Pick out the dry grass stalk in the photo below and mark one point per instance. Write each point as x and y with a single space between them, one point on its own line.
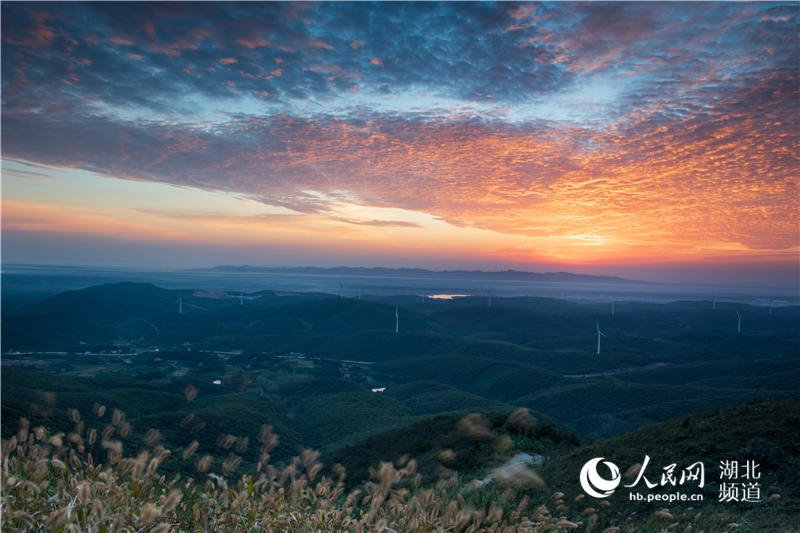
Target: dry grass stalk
52 484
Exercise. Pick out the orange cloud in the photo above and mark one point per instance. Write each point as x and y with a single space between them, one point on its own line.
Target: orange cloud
74 219
38 35
251 43
646 186
116 39
681 190
317 43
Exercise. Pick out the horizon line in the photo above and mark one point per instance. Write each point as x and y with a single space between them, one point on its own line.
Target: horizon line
617 278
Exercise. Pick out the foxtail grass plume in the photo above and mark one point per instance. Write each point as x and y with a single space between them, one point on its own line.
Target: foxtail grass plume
475 426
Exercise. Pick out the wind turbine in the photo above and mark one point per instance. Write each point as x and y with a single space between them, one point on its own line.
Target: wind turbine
180 304
612 306
599 334
396 320
739 326
241 298
770 306
490 298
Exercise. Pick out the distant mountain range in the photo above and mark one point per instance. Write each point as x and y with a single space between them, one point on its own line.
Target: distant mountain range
504 275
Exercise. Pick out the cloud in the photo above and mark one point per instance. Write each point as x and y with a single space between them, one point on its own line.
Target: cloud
116 39
25 174
281 219
696 149
378 223
42 217
257 42
37 33
652 177
174 41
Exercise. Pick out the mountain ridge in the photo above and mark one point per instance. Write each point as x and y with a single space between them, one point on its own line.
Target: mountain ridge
499 275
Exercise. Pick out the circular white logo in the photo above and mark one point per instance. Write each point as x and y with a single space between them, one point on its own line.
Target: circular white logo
594 484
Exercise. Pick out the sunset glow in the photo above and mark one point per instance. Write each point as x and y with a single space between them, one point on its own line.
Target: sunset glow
603 138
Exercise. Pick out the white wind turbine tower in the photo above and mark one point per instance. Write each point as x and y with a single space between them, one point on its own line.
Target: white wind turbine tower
599 333
396 320
241 297
180 304
739 325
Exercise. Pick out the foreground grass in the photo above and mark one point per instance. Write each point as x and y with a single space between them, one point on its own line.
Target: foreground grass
82 481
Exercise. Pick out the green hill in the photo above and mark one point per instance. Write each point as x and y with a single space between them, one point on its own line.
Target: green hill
767 433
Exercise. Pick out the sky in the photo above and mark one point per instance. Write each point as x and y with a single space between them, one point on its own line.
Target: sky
656 141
